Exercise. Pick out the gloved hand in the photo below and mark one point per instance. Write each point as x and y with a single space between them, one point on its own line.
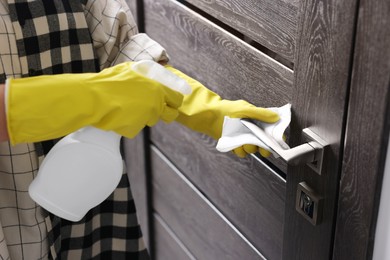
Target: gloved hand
250 148
117 98
204 111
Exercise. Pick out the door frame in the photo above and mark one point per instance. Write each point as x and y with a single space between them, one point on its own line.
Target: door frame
322 69
354 184
367 137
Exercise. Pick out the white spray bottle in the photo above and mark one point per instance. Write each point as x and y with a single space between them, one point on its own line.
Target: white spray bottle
85 167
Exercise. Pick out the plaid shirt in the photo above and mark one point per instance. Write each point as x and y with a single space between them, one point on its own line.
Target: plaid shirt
49 37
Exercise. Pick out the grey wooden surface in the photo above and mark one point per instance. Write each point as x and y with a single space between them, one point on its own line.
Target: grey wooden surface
216 58
367 135
272 23
319 92
235 70
191 218
168 245
247 193
322 65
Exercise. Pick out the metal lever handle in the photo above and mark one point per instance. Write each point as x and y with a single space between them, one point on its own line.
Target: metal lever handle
310 152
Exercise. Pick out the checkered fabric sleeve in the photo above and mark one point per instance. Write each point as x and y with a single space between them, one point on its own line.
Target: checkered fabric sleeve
29 46
110 230
52 37
115 34
23 233
92 36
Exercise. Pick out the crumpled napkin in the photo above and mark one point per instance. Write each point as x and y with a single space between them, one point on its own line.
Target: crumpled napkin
235 134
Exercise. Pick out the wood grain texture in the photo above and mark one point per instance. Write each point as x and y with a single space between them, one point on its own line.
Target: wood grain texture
134 156
191 217
322 65
215 57
248 193
367 134
235 70
269 22
168 245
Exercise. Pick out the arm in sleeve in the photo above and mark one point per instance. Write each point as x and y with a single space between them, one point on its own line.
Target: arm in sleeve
115 34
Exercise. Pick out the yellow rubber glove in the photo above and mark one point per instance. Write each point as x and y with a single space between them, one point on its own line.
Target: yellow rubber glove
117 98
204 111
250 148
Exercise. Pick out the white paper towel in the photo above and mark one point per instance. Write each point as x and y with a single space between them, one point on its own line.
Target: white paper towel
235 134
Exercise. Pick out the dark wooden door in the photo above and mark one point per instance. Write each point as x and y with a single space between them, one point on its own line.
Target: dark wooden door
323 60
197 203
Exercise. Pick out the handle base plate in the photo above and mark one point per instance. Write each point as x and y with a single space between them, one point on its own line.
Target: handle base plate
314 140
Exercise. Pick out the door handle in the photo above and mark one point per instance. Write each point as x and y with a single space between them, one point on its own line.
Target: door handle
311 152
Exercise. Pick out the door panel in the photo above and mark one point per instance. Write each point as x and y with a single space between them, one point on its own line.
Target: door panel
253 194
322 75
168 246
192 218
239 71
233 66
272 23
250 72
228 183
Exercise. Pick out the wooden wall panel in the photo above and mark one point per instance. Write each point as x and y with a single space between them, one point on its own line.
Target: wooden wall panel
248 193
272 23
192 218
216 58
